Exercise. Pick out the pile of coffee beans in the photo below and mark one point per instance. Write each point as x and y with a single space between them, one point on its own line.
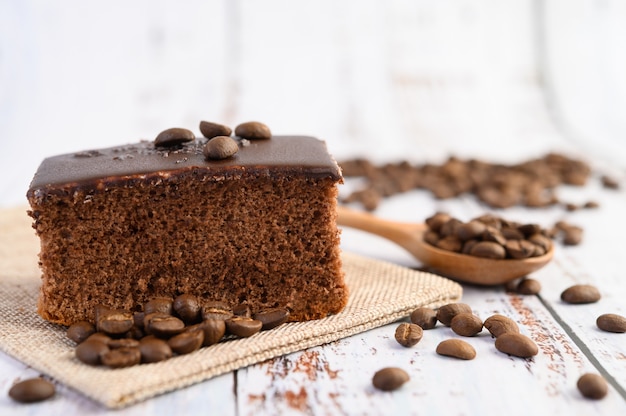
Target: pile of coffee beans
487 236
531 183
164 328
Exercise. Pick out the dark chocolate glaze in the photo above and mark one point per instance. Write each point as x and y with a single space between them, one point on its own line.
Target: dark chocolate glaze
301 155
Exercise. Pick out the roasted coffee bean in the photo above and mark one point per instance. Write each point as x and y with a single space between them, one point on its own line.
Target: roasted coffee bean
115 322
153 350
243 327
220 147
408 335
468 246
160 305
216 310
90 351
173 137
431 237
242 310
488 249
511 233
520 249
436 221
609 182
253 130
188 308
573 236
592 386
466 324
450 228
213 329
138 319
528 287
271 318
498 324
426 318
470 230
123 343
135 333
611 322
32 390
121 357
163 325
390 378
456 348
493 235
579 294
99 336
186 342
210 130
529 229
80 331
516 344
541 241
450 243
449 311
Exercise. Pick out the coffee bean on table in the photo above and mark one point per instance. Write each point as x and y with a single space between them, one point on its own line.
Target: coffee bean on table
121 357
516 344
90 351
446 312
186 342
456 348
32 390
466 324
153 350
580 294
115 322
499 324
528 286
426 318
188 308
253 130
271 318
390 378
210 130
408 335
592 386
243 327
220 147
611 322
173 137
80 331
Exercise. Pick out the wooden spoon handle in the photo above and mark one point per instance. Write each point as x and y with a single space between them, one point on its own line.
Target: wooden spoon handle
400 233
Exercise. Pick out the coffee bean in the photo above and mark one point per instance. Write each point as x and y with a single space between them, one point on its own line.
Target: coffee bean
90 351
243 327
135 333
470 230
580 293
519 249
456 348
99 336
436 221
516 344
186 342
153 350
426 318
447 312
488 249
611 322
79 331
173 137
123 343
499 324
216 310
450 243
253 130
541 241
271 318
32 390
390 378
138 319
592 386
609 182
121 357
210 130
242 310
220 147
431 237
494 235
163 325
466 324
408 335
213 329
573 236
159 304
188 308
528 287
115 322
450 228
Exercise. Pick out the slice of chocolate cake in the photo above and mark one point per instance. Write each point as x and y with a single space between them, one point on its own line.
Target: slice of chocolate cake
119 226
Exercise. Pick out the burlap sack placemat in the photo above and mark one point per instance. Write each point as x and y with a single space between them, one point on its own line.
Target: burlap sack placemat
380 293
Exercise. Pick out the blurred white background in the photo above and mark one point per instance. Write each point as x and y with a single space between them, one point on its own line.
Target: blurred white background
400 79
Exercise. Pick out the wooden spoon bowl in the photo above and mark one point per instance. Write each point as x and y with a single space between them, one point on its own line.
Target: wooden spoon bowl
462 267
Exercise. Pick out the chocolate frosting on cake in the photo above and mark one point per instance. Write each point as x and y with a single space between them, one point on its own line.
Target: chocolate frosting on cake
296 154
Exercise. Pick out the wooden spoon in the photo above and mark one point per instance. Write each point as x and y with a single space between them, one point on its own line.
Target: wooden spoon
462 267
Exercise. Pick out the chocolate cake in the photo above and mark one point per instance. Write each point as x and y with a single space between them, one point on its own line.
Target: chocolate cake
121 225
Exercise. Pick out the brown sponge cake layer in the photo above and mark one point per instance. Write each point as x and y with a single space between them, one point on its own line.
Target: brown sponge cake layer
261 233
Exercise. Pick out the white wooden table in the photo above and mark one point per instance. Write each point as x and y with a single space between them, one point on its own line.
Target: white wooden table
416 80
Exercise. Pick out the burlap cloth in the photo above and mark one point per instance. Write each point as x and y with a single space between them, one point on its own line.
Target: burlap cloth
380 293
